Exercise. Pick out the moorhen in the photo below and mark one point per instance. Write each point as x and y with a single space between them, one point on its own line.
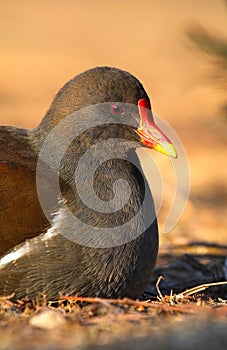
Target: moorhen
109 253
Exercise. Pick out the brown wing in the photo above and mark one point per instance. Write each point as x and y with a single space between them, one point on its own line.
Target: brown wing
21 216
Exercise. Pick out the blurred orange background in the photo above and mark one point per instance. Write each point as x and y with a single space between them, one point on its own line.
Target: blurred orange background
45 43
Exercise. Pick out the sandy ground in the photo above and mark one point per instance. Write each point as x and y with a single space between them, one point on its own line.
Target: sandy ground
45 43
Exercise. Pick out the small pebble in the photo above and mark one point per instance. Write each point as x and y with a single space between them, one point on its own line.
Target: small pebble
47 319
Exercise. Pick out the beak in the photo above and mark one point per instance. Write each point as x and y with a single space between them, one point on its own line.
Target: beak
150 135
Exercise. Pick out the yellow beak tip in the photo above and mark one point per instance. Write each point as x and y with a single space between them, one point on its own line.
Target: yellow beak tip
166 148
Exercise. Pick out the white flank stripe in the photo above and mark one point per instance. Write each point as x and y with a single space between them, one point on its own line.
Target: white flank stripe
28 245
15 255
51 232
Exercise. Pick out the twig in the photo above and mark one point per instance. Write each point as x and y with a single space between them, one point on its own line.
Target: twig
200 288
160 296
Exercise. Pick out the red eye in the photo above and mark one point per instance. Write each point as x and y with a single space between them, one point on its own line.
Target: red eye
116 108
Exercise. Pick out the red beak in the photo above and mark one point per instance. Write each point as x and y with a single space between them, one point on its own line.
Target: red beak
151 136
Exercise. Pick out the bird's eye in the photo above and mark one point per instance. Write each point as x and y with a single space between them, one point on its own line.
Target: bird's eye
116 108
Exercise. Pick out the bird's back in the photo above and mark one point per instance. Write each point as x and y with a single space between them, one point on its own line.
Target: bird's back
21 216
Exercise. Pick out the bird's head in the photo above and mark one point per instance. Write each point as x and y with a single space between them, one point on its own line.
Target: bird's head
117 90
